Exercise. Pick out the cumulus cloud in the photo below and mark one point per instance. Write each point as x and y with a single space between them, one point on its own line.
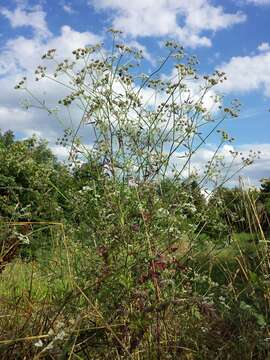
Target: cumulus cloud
135 44
27 123
259 169
19 118
185 20
68 8
264 46
19 57
251 174
60 152
34 17
24 53
248 73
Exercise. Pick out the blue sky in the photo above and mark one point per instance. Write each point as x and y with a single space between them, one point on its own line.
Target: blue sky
231 35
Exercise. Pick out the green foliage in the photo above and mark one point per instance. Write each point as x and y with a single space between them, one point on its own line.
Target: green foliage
237 208
133 266
265 201
29 176
6 139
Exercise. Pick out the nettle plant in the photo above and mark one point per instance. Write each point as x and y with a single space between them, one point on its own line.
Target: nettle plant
140 127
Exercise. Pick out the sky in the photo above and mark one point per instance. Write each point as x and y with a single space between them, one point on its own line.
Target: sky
230 35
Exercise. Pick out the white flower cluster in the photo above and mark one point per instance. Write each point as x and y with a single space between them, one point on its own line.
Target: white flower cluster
85 189
24 239
191 208
59 336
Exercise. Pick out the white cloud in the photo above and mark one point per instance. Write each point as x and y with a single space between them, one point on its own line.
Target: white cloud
260 168
195 89
185 20
61 152
264 46
203 16
19 57
68 8
135 44
15 116
28 123
24 53
248 73
252 174
71 39
34 18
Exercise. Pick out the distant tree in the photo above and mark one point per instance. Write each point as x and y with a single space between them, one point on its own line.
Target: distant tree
239 207
30 179
7 138
265 189
265 200
88 172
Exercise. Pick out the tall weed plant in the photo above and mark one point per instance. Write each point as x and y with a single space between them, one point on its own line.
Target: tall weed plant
139 276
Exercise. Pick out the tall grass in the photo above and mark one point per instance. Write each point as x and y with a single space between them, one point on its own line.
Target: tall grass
136 293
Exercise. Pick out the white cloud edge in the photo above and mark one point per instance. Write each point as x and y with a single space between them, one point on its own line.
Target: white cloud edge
139 19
